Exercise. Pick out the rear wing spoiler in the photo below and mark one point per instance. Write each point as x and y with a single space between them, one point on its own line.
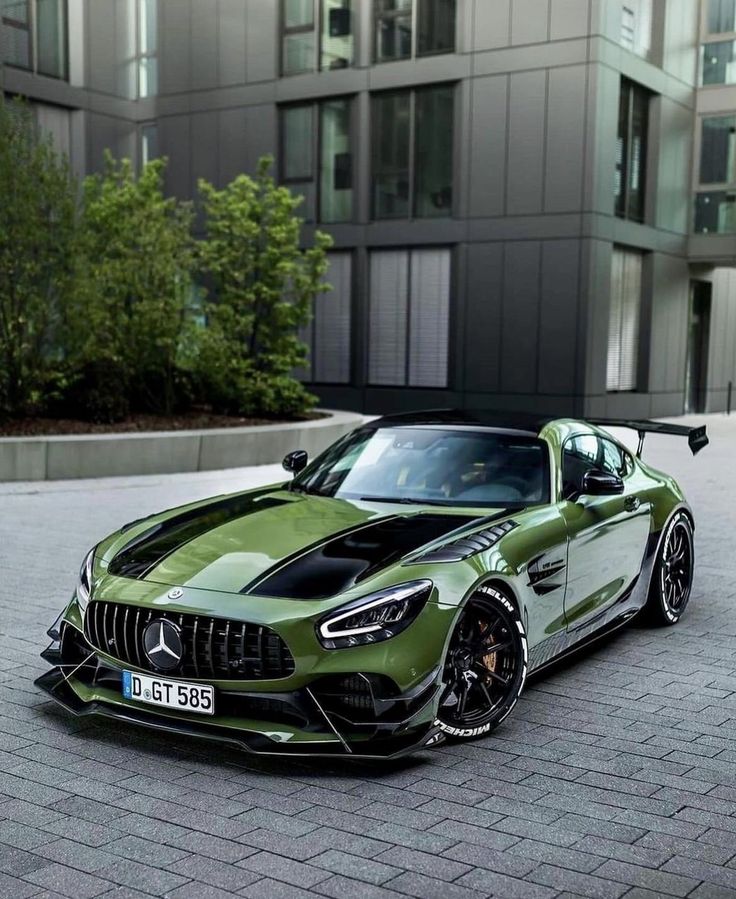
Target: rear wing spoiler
696 437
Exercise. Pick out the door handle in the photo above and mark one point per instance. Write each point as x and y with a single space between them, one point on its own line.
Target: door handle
632 503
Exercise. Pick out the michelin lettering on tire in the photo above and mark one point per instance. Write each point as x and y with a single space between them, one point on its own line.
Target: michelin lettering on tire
519 677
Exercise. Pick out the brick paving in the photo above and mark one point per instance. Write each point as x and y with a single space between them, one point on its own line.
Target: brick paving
616 775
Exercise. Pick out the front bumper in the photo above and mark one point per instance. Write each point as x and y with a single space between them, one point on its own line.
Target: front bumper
354 715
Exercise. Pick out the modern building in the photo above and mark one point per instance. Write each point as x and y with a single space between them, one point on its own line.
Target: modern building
533 202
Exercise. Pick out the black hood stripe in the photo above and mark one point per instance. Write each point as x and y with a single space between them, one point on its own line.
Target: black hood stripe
150 548
347 558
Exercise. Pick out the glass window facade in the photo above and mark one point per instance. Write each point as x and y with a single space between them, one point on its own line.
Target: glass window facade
718 150
336 162
34 36
631 151
719 62
409 299
625 313
316 34
406 28
316 157
715 212
147 48
721 16
413 137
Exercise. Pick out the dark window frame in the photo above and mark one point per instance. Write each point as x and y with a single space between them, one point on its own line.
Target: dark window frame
626 206
315 28
412 154
315 176
391 15
31 29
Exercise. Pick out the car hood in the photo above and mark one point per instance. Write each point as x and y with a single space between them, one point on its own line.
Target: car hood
277 543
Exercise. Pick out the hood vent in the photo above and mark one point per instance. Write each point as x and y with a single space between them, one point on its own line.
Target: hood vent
469 545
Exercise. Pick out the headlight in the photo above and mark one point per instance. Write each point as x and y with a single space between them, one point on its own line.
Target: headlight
374 618
84 586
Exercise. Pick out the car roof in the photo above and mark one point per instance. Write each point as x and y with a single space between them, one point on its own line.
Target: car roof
527 422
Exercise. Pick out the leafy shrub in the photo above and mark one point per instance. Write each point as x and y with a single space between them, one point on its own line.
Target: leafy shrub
38 214
134 265
263 286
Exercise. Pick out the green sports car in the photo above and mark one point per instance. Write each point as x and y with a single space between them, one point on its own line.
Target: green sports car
396 592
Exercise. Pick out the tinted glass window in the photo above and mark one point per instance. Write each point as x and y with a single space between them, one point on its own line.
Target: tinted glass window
433 465
614 459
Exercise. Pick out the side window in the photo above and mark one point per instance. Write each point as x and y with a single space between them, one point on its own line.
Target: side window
614 459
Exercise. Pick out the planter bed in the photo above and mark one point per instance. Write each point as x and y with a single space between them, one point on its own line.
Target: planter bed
38 457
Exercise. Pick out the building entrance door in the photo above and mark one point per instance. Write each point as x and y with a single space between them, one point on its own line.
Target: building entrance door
698 336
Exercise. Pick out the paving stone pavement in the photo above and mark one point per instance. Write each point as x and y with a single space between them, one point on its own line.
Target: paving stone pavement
615 776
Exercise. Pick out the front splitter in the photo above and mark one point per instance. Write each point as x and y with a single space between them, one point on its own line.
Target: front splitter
56 685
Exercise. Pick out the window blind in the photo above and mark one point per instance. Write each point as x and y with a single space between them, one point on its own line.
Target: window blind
389 295
623 331
409 317
331 347
429 318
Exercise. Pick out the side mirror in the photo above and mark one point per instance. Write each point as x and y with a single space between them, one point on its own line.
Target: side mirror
601 483
295 461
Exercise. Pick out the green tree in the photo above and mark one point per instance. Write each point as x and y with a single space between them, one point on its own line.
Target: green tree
131 311
263 285
38 206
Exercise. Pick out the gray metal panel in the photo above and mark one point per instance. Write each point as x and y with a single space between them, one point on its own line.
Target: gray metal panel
101 46
602 129
529 21
232 25
204 138
520 317
492 25
175 136
594 317
107 133
262 52
674 166
563 182
261 134
558 316
174 39
232 131
568 19
487 145
669 323
204 50
484 301
527 101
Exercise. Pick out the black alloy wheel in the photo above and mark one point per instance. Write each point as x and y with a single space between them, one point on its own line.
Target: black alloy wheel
485 666
672 577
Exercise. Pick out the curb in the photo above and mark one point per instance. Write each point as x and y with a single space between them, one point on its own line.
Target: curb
165 452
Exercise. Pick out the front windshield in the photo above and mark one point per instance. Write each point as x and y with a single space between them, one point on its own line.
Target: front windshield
432 465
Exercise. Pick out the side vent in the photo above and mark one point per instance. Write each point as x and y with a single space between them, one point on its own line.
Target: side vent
466 546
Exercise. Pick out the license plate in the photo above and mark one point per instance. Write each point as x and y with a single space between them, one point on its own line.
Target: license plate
168 693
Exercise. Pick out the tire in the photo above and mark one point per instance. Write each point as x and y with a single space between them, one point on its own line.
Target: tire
672 575
479 688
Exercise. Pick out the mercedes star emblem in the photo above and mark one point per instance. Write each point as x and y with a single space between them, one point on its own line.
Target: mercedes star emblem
176 593
163 644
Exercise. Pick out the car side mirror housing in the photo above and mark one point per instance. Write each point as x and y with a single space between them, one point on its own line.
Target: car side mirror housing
295 461
601 483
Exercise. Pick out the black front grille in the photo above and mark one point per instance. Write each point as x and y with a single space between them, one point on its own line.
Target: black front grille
216 648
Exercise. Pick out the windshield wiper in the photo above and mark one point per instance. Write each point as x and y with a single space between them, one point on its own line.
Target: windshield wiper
404 500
